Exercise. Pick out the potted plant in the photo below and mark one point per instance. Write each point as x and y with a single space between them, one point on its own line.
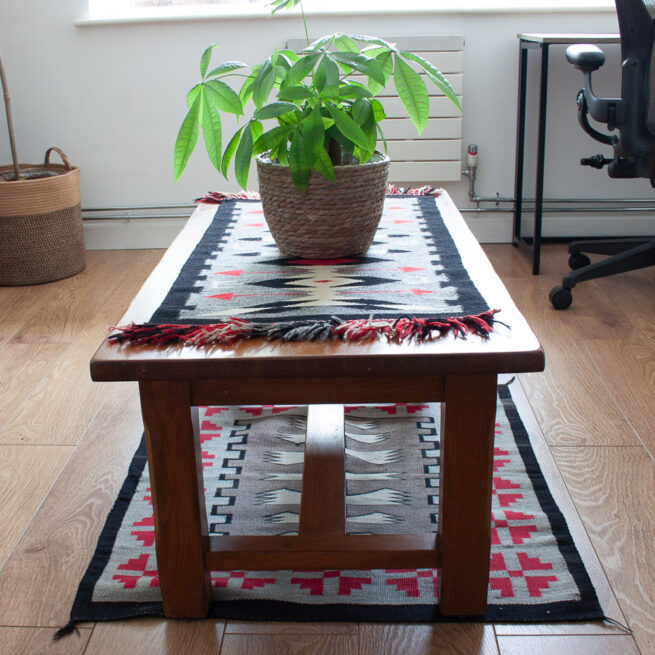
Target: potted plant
41 236
313 132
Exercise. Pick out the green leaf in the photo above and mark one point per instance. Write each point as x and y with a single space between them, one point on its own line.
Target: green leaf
263 83
331 71
193 94
211 130
280 73
354 90
257 129
275 109
229 151
347 126
289 55
319 43
246 90
283 63
378 110
319 77
385 59
300 69
273 139
313 135
242 158
361 63
225 68
381 133
204 60
361 111
369 126
363 38
296 93
282 4
187 138
298 164
412 93
446 88
435 75
223 97
344 43
324 166
282 155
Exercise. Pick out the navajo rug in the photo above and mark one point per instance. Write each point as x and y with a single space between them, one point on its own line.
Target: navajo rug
252 463
237 285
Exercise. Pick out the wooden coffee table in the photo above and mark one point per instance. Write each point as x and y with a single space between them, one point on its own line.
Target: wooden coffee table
461 373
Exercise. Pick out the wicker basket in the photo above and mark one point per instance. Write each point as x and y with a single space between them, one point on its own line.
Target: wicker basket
332 219
41 237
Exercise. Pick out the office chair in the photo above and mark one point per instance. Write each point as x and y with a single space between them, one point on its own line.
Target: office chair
633 117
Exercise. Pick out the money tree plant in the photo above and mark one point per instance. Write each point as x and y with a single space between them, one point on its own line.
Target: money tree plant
312 110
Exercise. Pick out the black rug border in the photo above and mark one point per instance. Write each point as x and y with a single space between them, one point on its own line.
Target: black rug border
215 237
587 608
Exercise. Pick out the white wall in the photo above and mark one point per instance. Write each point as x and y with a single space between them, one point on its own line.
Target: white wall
112 96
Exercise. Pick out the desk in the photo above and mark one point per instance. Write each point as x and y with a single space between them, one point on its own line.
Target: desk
542 43
461 373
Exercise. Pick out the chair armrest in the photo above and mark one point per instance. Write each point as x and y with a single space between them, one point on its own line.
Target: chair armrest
585 57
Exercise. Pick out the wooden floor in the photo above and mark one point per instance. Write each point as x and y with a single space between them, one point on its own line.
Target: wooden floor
65 443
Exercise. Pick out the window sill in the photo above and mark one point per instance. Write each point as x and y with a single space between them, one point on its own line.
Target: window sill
344 7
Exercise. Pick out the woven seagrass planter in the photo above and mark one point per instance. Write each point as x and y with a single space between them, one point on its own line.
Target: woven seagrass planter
41 238
332 219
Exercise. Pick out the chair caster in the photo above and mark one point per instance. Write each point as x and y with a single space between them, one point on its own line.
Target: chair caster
578 260
560 297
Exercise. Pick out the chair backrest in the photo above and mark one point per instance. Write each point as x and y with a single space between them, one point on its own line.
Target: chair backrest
637 134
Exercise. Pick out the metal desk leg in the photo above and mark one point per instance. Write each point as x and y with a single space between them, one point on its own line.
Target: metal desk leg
520 143
541 155
534 250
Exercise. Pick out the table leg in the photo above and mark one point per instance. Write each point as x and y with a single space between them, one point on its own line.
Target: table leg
174 459
466 461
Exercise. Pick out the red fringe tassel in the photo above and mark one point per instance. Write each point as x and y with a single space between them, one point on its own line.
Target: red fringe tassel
234 330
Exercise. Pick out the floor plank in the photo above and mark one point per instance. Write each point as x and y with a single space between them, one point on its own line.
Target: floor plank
611 488
402 639
40 578
151 636
22 366
38 641
70 303
571 645
290 628
628 369
282 645
26 475
570 385
67 390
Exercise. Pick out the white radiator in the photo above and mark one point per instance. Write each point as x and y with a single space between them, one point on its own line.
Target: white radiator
436 155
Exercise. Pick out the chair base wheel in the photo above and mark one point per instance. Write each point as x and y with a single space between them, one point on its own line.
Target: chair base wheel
560 297
578 260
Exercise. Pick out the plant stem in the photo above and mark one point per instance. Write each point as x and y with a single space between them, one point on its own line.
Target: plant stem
334 151
304 22
10 125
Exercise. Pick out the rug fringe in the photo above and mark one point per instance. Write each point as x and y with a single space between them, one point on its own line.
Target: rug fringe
617 624
217 197
397 330
68 629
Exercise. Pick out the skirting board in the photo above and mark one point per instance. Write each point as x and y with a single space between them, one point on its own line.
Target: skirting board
126 234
